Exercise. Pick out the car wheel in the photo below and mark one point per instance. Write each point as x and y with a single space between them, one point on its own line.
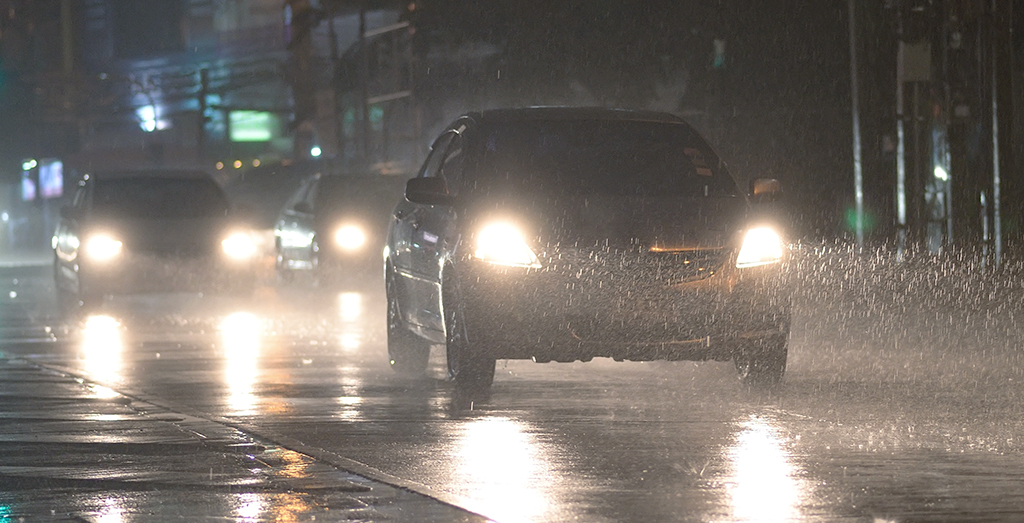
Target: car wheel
467 366
407 352
762 363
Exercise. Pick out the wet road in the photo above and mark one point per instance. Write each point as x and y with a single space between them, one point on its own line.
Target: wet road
902 403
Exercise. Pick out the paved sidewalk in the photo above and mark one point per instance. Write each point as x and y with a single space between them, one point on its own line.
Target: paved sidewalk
25 257
75 451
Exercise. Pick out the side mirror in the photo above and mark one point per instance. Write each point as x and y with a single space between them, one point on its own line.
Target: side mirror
429 191
765 190
303 207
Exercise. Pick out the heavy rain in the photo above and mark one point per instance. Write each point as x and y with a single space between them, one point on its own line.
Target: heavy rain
451 261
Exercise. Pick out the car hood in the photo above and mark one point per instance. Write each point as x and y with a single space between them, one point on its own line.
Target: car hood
625 223
189 236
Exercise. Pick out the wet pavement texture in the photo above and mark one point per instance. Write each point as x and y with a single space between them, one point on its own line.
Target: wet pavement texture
901 403
74 450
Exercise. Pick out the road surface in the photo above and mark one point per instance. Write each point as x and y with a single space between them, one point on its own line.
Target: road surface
901 403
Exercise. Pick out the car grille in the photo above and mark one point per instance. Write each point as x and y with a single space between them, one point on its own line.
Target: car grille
193 250
631 268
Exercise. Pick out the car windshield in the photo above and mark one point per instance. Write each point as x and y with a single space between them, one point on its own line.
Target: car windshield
158 198
618 158
368 195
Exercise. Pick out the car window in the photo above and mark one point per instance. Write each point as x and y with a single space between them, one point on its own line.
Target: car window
361 195
605 157
309 195
436 157
158 198
79 199
454 162
301 194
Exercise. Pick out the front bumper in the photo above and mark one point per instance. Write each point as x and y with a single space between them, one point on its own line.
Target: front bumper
582 313
146 273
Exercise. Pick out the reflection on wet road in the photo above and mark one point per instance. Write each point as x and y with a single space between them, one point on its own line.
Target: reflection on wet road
861 431
240 336
505 466
764 483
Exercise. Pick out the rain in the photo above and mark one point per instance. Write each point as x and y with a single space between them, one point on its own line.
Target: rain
512 261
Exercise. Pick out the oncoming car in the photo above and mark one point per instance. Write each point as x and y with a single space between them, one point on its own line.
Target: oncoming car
334 226
564 234
149 231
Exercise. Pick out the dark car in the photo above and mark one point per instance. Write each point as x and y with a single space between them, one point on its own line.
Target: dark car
335 226
563 234
150 231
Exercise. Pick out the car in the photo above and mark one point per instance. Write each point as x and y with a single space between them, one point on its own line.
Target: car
334 227
565 234
144 231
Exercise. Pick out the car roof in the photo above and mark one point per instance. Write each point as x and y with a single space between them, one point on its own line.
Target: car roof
572 113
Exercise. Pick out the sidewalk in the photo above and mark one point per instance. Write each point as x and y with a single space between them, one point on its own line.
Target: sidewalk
23 257
71 450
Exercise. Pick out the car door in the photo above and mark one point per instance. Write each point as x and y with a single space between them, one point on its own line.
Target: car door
410 246
436 235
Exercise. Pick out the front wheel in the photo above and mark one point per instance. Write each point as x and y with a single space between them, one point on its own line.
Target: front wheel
468 367
762 363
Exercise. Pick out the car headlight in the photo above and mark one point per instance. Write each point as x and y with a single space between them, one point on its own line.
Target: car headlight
349 237
761 246
503 244
239 246
102 247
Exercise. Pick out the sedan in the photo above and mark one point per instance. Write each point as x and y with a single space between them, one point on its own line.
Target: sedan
565 234
333 227
149 231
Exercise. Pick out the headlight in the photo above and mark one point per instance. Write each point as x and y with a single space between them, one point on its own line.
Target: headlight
761 246
239 246
349 237
102 247
503 244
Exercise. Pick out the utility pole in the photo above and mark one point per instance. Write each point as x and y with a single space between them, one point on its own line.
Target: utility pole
339 131
364 80
204 89
858 173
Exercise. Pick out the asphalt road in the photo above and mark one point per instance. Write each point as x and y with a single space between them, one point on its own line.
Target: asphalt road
901 402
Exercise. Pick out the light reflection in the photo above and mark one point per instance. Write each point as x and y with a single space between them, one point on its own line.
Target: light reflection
103 393
111 512
764 485
102 347
350 308
240 334
505 477
250 507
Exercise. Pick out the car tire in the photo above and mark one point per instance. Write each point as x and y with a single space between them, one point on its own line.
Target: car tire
408 354
468 367
762 363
